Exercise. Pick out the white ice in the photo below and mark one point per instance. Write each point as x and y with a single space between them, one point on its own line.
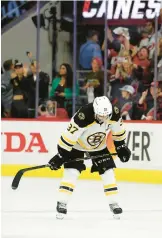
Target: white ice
29 211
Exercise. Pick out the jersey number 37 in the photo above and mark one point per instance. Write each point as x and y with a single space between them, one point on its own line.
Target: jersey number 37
72 129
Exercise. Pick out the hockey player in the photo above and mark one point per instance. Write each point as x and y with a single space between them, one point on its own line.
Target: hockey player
86 132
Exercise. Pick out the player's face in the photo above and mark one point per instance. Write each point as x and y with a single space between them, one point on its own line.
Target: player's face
102 119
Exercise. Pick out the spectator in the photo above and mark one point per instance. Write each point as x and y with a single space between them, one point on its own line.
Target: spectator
136 76
145 38
160 70
89 50
6 87
19 103
124 69
159 102
160 21
113 43
160 49
95 80
150 40
159 60
139 84
44 80
118 40
31 88
147 100
62 88
50 110
42 111
51 107
122 76
125 101
121 57
122 35
141 59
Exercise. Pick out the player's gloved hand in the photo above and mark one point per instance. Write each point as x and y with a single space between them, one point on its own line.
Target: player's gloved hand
123 152
56 162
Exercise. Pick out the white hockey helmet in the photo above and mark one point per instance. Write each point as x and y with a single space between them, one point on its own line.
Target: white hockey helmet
102 108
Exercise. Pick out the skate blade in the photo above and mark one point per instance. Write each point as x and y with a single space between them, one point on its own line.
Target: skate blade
116 216
60 216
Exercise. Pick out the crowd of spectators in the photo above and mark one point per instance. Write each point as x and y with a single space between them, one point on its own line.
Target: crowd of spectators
130 70
18 90
130 78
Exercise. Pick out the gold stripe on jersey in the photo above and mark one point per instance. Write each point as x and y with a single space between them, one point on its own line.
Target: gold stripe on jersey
64 146
118 133
90 124
119 138
82 145
68 140
67 185
111 122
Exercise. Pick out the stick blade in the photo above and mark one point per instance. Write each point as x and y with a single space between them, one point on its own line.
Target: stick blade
20 173
16 180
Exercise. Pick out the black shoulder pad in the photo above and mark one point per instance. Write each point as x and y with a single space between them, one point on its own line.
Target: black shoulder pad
84 116
115 114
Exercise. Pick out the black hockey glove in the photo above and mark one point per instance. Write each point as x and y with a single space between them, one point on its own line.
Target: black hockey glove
56 162
59 159
123 152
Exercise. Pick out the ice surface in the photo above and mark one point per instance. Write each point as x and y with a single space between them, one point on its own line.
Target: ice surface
29 211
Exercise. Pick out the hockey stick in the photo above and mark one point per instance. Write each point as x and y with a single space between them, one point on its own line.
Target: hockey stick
20 173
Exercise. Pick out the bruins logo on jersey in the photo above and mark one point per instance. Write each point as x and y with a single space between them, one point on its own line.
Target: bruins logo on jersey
116 110
81 116
96 139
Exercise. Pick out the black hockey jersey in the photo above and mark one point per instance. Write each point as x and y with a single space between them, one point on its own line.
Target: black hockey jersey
86 134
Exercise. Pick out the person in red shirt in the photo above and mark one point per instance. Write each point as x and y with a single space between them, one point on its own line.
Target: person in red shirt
148 97
141 59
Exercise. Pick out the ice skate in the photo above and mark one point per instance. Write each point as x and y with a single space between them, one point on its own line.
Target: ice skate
116 210
61 210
